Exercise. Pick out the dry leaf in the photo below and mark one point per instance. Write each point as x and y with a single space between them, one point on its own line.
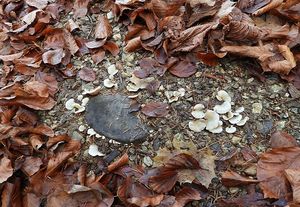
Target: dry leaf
231 179
103 29
293 176
53 57
6 169
186 195
183 69
39 4
155 109
80 8
271 169
87 74
282 139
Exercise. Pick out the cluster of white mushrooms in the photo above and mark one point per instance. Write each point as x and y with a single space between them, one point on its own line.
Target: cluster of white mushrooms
76 107
210 119
110 81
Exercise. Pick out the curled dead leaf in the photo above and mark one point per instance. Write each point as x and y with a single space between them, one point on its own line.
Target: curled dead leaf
155 109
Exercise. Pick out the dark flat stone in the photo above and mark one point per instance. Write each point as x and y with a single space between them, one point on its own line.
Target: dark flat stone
109 115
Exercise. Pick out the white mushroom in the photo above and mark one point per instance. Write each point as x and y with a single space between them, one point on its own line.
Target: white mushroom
70 104
197 125
93 151
108 83
218 129
79 97
236 119
230 129
223 108
198 111
212 119
223 96
91 132
173 96
243 121
137 83
228 116
81 128
92 92
112 71
85 101
78 108
239 110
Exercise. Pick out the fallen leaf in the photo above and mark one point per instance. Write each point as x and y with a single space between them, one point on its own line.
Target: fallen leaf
87 74
293 177
80 8
98 56
186 195
11 57
183 69
31 165
53 57
155 109
146 201
6 169
103 29
253 199
39 4
282 139
112 48
270 171
232 179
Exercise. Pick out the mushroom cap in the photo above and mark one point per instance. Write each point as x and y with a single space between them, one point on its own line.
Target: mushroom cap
197 125
223 108
112 70
236 119
70 104
218 129
108 83
239 110
197 112
223 96
85 101
243 121
93 151
228 116
230 129
212 119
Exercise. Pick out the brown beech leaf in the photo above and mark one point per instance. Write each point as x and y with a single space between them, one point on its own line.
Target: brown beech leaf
146 201
103 29
6 169
39 4
11 57
112 47
71 25
133 44
80 8
186 195
253 199
164 8
282 139
119 163
98 56
250 6
155 109
183 69
31 165
272 5
87 74
164 181
208 58
293 176
69 150
95 44
231 179
271 169
275 58
53 57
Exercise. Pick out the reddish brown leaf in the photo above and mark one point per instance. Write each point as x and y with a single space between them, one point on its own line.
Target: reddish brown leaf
186 195
119 163
282 139
80 8
208 58
112 48
133 44
71 25
146 201
11 57
103 29
253 199
53 57
155 109
95 44
87 74
293 176
164 181
271 168
39 4
6 169
183 69
231 179
166 8
31 165
98 56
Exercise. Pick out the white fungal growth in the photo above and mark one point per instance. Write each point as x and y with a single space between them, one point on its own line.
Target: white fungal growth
239 110
94 151
81 128
85 101
223 96
198 111
197 125
108 83
228 116
91 132
70 104
212 119
137 83
230 129
223 108
92 92
218 129
243 121
112 71
236 119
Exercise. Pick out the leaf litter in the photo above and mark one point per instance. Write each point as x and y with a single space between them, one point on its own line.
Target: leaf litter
38 166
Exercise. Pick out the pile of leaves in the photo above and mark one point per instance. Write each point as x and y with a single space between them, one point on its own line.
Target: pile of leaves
182 32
